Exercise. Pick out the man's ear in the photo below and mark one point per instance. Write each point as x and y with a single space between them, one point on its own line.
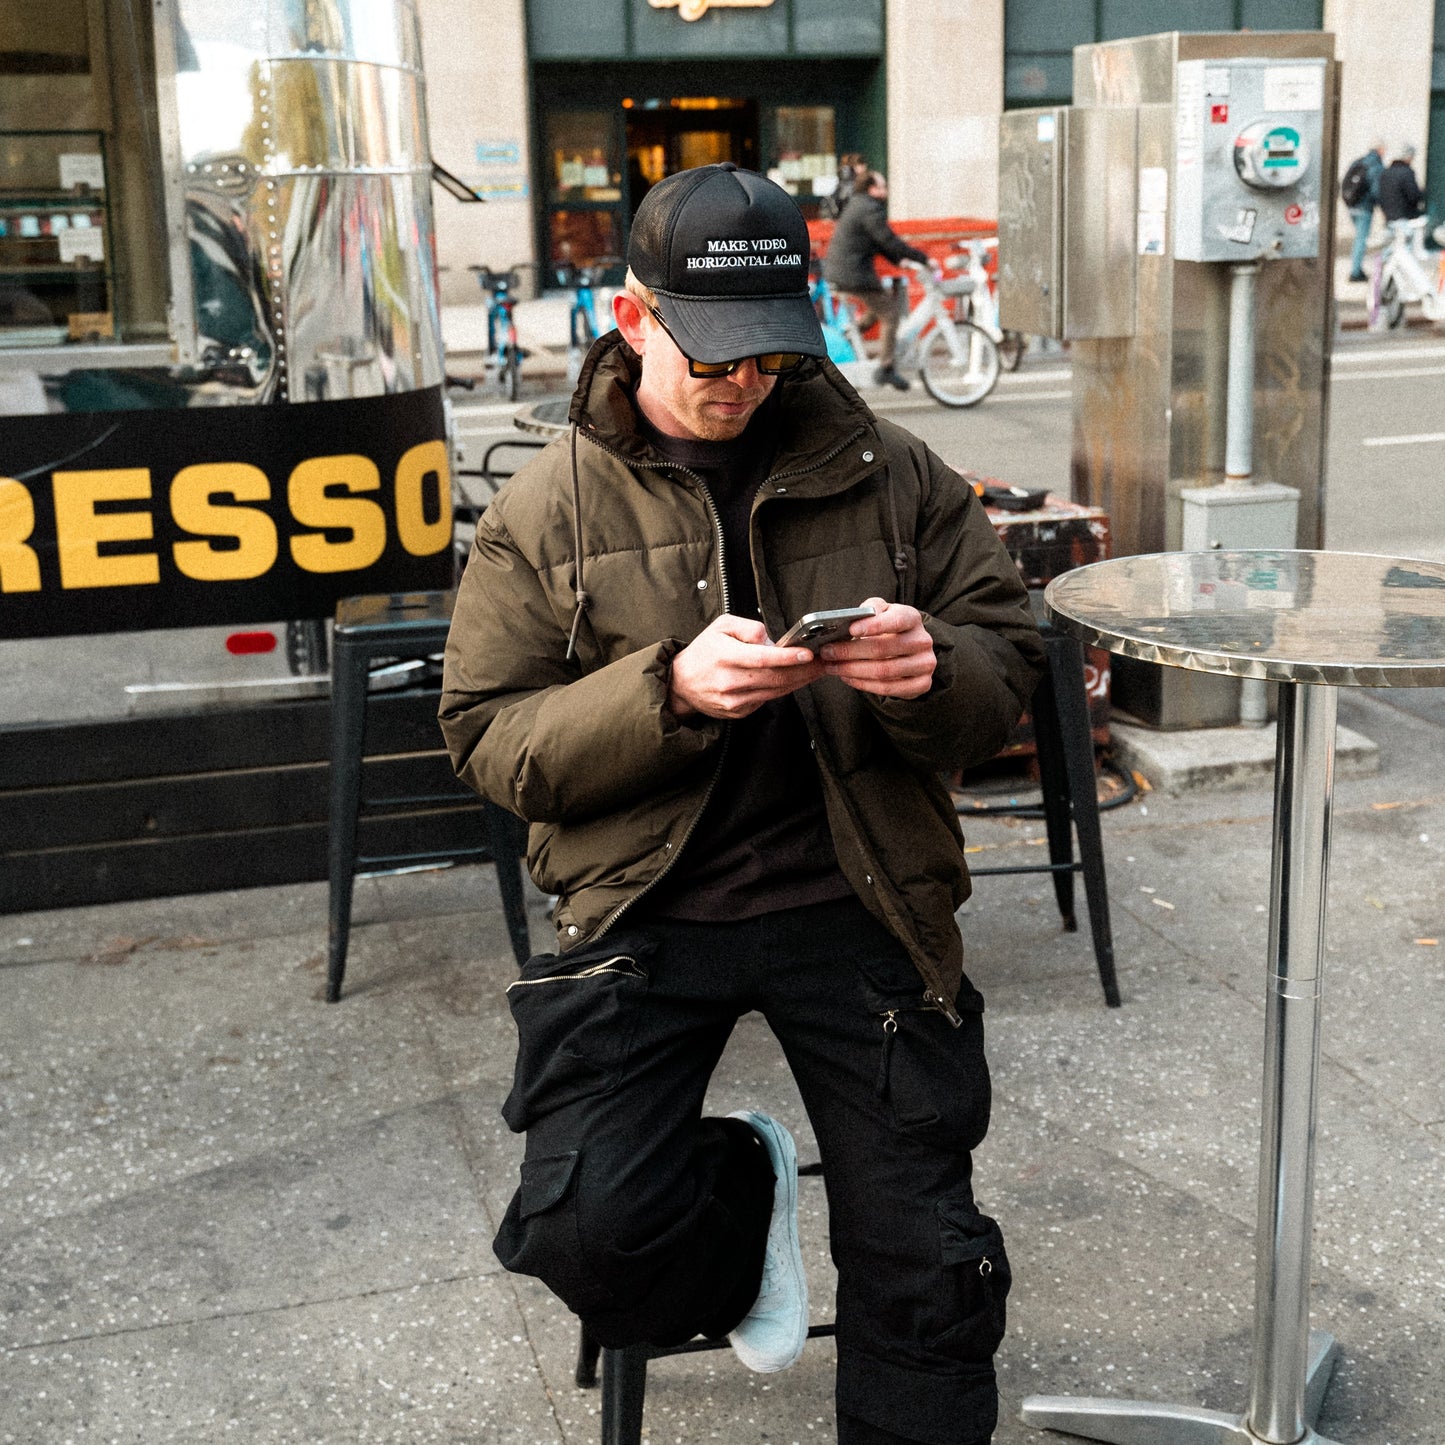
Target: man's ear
631 318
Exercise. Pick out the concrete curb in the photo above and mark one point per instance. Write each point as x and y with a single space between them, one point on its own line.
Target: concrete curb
1198 760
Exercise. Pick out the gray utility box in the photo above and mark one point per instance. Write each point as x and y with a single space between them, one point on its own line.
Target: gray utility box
1248 152
1236 519
1066 222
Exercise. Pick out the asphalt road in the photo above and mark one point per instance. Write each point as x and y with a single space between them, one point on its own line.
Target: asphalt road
1386 460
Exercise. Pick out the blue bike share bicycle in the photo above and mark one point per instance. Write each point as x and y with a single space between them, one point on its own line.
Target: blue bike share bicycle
504 353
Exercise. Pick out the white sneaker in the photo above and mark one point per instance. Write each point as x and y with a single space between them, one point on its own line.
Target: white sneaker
771 1335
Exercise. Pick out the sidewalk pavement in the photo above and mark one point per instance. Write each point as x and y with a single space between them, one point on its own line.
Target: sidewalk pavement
234 1212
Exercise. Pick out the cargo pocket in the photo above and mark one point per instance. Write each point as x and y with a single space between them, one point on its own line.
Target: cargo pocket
977 1269
575 1015
931 1074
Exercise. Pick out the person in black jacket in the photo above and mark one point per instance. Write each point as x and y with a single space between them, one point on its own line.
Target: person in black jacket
1397 189
862 233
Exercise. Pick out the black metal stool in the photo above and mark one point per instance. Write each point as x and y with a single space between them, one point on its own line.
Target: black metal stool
405 626
1065 747
1066 776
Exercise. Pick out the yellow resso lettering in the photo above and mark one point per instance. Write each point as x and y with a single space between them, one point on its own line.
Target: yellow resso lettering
80 529
311 495
420 537
195 509
19 566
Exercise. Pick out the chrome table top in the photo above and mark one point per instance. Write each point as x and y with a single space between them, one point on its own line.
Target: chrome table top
1343 618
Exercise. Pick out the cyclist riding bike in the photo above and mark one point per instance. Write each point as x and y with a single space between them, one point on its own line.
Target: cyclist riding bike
862 234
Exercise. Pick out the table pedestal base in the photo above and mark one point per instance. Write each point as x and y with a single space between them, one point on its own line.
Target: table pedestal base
1142 1422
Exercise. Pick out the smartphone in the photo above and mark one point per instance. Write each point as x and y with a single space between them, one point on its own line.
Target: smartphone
818 629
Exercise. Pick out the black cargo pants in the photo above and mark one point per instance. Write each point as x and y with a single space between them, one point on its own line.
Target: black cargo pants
648 1221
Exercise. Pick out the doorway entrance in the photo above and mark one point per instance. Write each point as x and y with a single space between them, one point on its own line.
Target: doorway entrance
666 136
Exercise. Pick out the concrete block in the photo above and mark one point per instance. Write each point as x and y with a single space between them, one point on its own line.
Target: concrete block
1195 760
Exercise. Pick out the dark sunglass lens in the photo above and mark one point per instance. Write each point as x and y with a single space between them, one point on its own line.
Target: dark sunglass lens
774 363
707 369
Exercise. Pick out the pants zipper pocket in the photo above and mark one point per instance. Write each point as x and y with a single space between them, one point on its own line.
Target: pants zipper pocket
621 964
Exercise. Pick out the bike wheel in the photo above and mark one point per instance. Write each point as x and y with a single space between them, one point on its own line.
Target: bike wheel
1390 303
970 378
512 374
1011 349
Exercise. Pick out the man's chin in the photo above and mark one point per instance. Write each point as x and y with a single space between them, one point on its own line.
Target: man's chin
714 424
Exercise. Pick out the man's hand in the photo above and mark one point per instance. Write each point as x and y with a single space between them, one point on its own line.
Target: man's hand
889 654
730 669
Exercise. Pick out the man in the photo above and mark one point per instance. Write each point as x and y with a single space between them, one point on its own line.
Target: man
863 233
1400 196
730 824
1361 180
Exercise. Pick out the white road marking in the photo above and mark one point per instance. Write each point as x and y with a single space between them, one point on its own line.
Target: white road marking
1369 356
1418 439
1392 372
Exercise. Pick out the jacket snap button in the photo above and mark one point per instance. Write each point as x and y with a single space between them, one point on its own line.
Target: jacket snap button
572 928
867 456
702 585
782 491
869 878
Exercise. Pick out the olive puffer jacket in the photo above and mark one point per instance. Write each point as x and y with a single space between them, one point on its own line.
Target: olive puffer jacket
579 740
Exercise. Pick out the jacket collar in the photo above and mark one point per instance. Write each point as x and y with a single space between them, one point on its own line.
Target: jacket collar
818 412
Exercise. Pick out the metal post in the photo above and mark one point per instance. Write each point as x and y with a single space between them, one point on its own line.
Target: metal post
1239 434
1239 414
1304 779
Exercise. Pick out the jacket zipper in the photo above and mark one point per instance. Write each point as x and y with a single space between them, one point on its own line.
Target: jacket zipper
717 531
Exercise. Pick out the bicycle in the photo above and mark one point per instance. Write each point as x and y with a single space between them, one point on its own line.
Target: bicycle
504 353
981 306
1402 275
582 325
957 361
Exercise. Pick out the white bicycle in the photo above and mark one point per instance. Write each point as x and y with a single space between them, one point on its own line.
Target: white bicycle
1406 272
982 301
957 361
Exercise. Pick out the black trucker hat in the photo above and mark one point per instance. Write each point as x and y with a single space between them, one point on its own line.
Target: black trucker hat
726 251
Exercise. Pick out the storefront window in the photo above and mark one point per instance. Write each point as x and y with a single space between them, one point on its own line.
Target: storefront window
582 157
583 238
806 163
1040 35
83 251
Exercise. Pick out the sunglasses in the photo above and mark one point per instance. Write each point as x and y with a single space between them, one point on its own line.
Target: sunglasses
770 363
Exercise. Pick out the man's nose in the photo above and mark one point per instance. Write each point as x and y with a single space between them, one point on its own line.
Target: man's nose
747 373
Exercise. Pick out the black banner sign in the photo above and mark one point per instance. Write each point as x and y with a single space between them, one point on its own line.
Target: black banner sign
128 520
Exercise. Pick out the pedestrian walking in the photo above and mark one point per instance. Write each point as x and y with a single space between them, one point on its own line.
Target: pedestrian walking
733 824
860 237
1358 191
1401 198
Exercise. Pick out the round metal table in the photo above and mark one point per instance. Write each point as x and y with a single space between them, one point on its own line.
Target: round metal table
546 418
1315 621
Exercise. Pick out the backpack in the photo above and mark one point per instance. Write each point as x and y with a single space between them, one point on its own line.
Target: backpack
1355 184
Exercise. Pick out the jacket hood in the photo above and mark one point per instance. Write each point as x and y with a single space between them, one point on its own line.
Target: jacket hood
817 409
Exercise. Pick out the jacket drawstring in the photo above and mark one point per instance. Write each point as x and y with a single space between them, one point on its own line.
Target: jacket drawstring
580 595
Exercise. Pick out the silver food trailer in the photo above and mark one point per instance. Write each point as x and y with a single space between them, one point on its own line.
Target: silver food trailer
221 410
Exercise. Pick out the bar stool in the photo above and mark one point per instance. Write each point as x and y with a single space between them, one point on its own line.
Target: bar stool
1065 748
1060 710
405 626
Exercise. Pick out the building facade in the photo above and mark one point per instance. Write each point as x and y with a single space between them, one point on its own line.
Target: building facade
563 114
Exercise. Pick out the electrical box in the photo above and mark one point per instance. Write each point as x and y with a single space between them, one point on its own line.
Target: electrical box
1238 519
1066 218
1249 136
